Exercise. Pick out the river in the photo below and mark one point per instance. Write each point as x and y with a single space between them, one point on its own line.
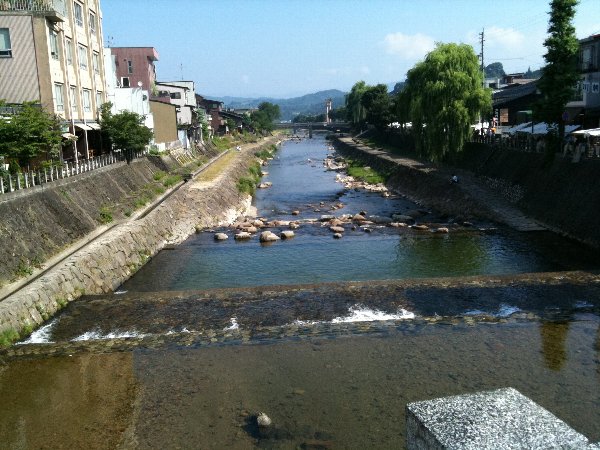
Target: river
208 334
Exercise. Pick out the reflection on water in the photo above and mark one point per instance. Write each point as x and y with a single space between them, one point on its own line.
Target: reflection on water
554 337
300 183
329 392
78 402
343 385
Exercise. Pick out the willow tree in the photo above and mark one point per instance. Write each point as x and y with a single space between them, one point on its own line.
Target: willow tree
355 110
445 96
559 75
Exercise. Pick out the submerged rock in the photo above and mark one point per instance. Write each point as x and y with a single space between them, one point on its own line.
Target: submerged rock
263 420
338 235
221 236
242 235
287 234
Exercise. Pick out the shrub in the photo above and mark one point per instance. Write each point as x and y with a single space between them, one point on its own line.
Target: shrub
158 175
7 337
105 215
246 185
171 180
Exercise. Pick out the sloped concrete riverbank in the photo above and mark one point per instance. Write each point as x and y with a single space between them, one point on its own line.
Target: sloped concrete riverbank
104 264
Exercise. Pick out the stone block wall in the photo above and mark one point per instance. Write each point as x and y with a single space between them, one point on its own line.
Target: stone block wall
107 262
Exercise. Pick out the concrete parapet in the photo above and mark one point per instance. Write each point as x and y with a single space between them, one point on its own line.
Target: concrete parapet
499 419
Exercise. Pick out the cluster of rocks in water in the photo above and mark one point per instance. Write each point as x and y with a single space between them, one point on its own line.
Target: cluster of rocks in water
247 228
275 230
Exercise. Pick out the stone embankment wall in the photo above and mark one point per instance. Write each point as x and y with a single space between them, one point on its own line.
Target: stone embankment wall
107 262
565 196
420 183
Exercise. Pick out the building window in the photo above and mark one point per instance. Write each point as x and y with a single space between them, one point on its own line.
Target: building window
130 67
59 101
587 58
87 100
53 45
5 48
92 23
69 51
73 95
96 62
82 54
175 95
78 8
125 82
99 99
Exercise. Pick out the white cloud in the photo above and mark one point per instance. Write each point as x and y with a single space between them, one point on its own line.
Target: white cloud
506 38
408 46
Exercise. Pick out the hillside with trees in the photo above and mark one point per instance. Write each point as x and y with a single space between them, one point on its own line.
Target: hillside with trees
310 104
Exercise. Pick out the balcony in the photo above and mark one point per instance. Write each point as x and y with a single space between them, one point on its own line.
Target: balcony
54 10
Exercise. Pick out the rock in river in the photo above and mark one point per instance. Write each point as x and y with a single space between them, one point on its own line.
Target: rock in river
221 236
268 236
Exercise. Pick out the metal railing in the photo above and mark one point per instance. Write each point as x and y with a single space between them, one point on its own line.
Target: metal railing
34 6
25 180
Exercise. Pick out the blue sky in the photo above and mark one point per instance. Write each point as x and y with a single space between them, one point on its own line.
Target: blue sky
286 48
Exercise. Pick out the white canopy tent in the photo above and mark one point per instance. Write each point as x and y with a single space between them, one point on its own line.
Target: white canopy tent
542 128
586 133
513 130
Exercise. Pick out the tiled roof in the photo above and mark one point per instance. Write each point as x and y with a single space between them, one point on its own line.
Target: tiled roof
513 92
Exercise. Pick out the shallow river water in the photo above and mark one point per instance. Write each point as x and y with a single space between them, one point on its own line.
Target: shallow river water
164 364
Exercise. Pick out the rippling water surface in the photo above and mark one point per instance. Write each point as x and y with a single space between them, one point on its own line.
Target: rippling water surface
301 183
162 365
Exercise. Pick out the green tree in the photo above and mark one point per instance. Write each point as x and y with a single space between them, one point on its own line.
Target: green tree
202 120
338 114
264 118
444 96
30 133
125 131
494 70
355 111
559 75
377 104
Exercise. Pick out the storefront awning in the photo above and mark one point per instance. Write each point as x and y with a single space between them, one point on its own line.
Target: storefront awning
83 126
591 132
94 125
69 136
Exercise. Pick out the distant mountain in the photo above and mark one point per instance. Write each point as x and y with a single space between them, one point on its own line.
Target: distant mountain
290 107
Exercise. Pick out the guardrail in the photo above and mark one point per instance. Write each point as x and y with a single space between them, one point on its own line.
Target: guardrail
25 180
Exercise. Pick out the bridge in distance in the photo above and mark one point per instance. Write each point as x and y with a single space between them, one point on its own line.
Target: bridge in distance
334 126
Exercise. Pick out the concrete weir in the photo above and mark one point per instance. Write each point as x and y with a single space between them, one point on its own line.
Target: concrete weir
499 419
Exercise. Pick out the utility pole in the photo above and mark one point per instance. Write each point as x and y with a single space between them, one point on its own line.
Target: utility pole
481 41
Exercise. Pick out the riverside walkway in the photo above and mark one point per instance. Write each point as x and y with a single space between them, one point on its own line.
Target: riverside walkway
504 211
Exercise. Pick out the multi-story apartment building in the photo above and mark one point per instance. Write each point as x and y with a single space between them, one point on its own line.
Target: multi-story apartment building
51 52
135 65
